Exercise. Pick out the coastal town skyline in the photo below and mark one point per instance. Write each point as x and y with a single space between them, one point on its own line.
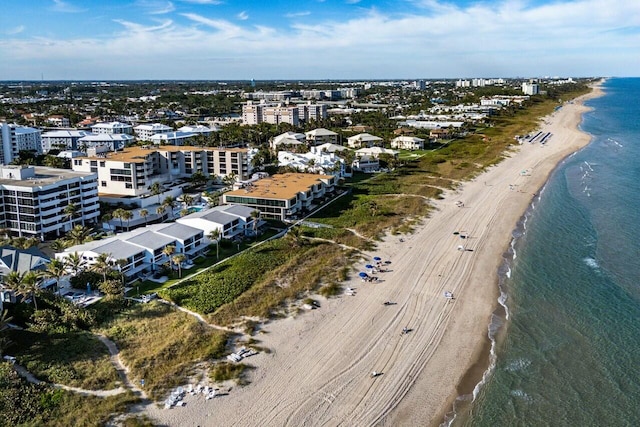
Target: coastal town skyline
348 39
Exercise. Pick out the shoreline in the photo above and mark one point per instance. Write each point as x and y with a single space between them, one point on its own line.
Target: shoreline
318 371
474 376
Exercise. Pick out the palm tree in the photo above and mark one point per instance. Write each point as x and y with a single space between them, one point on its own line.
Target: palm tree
156 190
55 270
4 324
229 179
102 265
78 235
4 320
178 259
170 203
119 214
255 214
184 212
126 215
69 212
187 200
294 235
214 236
160 210
27 285
74 262
168 251
59 245
144 214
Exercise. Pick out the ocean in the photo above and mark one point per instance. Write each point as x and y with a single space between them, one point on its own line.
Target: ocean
568 348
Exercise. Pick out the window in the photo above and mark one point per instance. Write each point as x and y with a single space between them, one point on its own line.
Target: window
103 183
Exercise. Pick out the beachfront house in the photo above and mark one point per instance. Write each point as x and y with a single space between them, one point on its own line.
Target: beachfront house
363 140
407 143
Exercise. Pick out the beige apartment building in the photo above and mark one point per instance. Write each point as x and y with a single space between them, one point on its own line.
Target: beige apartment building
132 171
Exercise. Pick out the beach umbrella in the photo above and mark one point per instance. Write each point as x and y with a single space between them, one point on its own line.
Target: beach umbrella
363 274
455 233
368 266
377 258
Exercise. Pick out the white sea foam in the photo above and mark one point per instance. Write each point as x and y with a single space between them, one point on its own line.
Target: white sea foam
521 395
518 365
591 263
508 273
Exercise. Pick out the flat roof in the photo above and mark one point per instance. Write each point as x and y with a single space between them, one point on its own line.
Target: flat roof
282 186
44 176
139 154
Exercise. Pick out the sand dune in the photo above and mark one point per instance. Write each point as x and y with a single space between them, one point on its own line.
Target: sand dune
318 371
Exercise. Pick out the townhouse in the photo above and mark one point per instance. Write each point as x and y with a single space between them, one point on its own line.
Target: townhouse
143 249
230 220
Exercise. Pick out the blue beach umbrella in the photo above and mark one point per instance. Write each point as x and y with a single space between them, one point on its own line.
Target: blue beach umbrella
363 274
377 258
368 266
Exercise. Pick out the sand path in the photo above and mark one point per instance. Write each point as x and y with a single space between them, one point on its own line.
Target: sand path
318 371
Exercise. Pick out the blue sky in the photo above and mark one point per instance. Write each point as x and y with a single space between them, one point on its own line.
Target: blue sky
317 39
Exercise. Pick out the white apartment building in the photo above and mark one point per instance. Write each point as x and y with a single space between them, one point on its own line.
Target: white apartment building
252 113
530 88
62 139
173 138
280 113
108 141
14 138
112 128
58 121
146 131
34 199
130 172
199 129
311 111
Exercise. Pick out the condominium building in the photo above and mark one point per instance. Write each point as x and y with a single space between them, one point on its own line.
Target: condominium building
59 121
146 131
14 138
255 113
174 138
530 88
311 111
112 128
130 172
34 200
62 139
284 196
108 141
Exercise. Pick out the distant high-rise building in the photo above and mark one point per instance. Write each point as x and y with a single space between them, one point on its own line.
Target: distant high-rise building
14 138
530 88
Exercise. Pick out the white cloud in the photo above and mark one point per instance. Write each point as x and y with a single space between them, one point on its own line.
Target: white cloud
243 16
15 30
297 14
156 7
65 7
216 2
580 37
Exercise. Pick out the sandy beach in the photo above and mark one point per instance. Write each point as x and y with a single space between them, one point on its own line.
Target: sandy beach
318 371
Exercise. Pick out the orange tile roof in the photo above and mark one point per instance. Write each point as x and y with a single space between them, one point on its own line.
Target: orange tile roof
282 186
139 154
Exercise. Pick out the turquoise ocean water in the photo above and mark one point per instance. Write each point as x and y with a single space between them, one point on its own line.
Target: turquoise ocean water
569 352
